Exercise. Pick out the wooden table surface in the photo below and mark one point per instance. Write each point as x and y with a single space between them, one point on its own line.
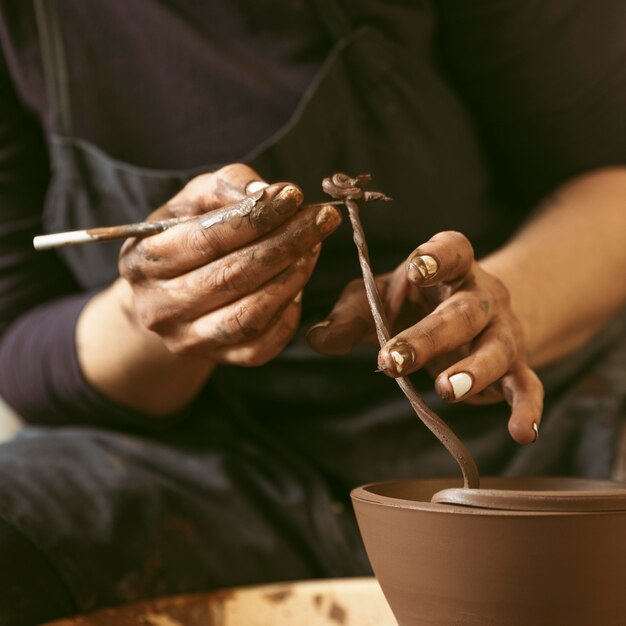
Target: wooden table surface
335 602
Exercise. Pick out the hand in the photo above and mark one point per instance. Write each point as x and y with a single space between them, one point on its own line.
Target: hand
452 317
226 285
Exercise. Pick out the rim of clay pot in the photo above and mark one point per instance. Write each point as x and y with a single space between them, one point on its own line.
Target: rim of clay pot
375 493
593 501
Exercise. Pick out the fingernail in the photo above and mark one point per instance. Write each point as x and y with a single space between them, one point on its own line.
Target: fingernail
255 185
287 199
327 219
298 297
324 324
379 369
536 429
422 267
256 196
461 383
402 356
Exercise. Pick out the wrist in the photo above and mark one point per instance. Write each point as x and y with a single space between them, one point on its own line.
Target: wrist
130 364
111 315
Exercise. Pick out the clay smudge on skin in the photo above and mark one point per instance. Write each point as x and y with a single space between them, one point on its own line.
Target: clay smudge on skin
227 187
234 213
138 230
402 355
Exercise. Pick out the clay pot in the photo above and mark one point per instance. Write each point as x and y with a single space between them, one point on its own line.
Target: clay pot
442 564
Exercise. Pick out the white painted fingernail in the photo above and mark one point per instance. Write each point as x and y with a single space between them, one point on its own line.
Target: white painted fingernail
298 297
461 384
398 359
402 356
255 185
536 429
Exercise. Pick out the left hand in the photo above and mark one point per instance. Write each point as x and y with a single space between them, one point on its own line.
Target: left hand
452 317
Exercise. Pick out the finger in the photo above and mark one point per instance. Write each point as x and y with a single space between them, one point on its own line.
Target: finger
179 302
445 257
210 191
454 322
350 321
397 293
214 189
269 345
199 241
490 395
227 281
250 317
347 324
233 276
524 393
490 358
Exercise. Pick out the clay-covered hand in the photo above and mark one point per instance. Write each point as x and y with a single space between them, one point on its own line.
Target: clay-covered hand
226 285
452 317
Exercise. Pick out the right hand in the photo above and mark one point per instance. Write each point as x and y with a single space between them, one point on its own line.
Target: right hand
226 286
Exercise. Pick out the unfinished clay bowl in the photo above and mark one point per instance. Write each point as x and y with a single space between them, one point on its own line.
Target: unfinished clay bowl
443 564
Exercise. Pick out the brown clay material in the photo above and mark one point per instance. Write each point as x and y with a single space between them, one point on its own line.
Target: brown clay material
141 229
606 497
342 186
440 564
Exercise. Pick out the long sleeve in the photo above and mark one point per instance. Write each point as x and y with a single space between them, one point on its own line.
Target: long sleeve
546 80
40 376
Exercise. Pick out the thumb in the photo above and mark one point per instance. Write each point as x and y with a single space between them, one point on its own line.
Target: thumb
348 323
215 189
232 183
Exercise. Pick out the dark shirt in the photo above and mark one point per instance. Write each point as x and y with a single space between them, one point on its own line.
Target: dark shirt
169 85
185 83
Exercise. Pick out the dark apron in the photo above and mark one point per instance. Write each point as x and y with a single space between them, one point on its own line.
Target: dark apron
318 426
372 107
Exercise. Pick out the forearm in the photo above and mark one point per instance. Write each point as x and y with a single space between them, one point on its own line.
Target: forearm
565 269
129 364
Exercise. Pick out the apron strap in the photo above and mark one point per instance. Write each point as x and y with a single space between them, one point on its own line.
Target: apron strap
54 65
335 18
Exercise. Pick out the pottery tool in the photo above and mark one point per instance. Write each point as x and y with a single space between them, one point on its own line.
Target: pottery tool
105 233
123 231
349 190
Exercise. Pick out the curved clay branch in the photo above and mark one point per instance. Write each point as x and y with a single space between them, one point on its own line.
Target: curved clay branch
342 187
